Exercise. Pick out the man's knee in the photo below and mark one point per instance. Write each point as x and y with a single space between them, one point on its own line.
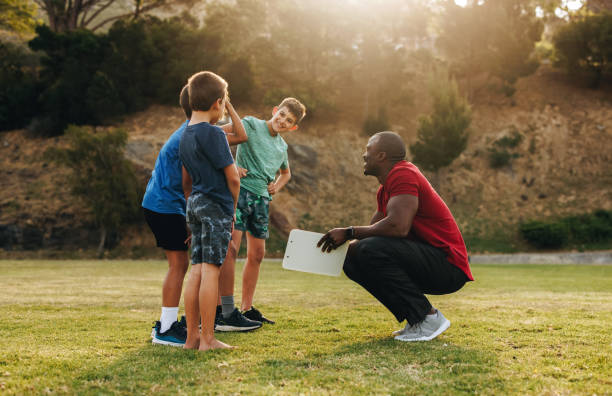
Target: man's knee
368 247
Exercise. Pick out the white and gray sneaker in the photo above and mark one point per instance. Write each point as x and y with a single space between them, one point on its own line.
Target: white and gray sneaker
404 330
431 327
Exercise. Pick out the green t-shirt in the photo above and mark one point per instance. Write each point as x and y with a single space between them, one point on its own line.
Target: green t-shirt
262 155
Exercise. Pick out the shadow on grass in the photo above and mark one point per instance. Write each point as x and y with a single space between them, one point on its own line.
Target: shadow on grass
371 367
386 365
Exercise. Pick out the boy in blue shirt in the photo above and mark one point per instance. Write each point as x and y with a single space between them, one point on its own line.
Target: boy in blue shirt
164 209
211 180
262 155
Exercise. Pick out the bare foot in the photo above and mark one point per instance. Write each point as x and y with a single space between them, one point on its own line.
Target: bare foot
214 344
192 344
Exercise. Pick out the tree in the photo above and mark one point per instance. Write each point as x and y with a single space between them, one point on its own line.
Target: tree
67 15
584 46
101 177
17 15
443 134
494 36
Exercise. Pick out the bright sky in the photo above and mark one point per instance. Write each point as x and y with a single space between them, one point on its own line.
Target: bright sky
573 5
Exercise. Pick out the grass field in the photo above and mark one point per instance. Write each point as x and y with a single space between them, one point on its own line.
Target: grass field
82 327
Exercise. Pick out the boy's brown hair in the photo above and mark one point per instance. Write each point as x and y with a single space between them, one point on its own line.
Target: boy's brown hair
295 107
204 90
184 101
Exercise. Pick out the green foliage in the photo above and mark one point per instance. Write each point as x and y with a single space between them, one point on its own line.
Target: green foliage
584 46
18 85
498 158
544 235
90 79
100 175
69 64
493 36
378 123
17 15
443 134
501 154
571 230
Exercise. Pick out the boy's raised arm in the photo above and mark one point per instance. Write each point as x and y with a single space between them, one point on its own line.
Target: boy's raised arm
234 131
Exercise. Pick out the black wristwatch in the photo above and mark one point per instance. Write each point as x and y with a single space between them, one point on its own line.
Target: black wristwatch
350 233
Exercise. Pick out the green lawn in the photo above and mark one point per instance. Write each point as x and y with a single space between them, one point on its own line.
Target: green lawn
83 327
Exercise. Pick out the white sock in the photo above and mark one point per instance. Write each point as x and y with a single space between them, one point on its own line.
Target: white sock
168 316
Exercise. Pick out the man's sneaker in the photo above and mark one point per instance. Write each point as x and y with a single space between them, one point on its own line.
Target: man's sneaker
218 318
255 315
236 322
406 329
431 327
174 336
183 321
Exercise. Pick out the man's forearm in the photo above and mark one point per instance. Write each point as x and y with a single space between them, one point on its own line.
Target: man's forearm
385 227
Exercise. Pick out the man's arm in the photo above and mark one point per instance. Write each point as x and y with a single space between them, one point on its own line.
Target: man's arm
283 178
377 217
234 131
401 210
233 182
187 184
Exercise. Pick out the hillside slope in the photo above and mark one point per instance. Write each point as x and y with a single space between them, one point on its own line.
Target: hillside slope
561 164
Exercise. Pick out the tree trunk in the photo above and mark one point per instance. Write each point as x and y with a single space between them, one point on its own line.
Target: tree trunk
102 241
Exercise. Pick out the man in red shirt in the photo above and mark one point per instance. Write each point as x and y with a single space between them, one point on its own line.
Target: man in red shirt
411 247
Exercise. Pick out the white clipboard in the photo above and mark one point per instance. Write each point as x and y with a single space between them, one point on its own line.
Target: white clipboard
302 254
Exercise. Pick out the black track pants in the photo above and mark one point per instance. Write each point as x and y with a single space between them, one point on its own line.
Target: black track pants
398 272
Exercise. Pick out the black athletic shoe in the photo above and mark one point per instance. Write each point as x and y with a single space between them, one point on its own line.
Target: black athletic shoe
254 314
174 336
236 322
183 321
218 318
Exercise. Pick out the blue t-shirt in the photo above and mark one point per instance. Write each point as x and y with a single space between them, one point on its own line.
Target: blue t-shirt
204 152
164 192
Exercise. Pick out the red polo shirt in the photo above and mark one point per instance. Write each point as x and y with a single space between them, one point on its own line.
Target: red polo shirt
433 223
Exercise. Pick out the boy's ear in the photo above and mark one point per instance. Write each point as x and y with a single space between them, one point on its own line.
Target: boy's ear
274 110
295 127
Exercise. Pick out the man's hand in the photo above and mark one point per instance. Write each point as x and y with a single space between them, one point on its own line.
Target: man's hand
332 239
272 188
242 172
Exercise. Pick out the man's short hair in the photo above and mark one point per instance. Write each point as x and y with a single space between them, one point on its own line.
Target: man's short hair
204 90
392 144
295 107
184 101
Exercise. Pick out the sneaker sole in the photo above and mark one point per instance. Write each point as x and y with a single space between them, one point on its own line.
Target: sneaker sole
168 343
227 328
440 330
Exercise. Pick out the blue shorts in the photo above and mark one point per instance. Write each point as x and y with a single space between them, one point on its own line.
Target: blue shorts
211 230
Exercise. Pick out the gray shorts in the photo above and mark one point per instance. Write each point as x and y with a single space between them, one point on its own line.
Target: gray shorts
211 230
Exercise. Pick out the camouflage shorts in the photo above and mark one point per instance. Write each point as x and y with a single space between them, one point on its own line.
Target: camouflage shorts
211 230
252 214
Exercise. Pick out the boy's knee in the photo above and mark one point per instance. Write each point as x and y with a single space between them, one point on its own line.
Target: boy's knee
256 255
232 252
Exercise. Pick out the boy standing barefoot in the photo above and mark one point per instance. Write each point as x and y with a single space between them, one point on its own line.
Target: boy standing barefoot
215 185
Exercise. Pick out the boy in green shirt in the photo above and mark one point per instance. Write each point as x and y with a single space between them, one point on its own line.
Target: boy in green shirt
261 157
